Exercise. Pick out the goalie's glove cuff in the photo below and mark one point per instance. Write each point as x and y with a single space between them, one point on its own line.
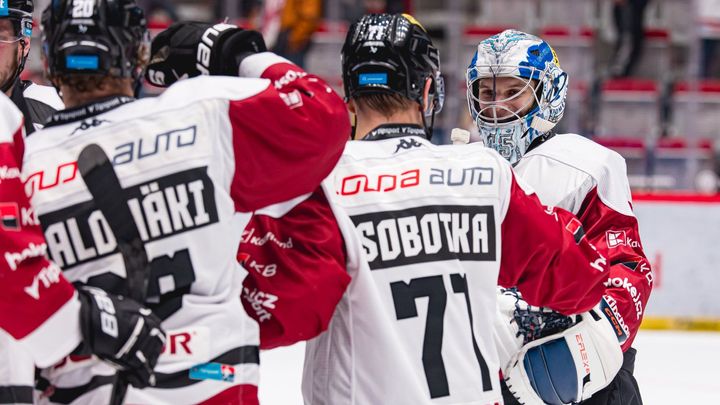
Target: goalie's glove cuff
121 332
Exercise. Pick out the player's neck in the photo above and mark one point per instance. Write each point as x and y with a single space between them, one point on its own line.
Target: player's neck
366 121
73 98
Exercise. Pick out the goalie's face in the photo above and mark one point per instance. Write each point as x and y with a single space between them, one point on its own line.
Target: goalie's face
504 99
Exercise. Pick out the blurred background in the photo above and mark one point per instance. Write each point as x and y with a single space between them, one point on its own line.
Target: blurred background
644 74
644 81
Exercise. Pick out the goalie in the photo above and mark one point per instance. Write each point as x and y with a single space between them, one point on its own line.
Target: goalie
516 94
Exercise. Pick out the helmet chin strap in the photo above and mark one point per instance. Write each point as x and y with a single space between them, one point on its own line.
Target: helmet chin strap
11 81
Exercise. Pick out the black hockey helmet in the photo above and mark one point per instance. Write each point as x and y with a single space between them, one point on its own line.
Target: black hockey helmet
19 12
16 9
101 37
391 53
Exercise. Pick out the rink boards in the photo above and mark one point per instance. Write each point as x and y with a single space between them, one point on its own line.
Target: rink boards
681 238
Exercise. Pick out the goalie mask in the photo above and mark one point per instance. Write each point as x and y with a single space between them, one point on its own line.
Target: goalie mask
392 53
19 14
101 37
516 91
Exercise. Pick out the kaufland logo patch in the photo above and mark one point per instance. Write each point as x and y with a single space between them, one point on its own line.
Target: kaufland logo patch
620 238
615 238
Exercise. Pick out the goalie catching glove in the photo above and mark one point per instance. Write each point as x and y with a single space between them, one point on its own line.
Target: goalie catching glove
189 49
122 332
549 358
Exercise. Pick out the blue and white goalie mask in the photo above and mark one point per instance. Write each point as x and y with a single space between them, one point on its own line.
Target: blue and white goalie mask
516 91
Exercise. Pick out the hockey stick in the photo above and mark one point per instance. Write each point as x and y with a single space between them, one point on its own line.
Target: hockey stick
102 182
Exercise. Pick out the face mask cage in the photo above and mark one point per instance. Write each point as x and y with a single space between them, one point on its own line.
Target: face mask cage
489 110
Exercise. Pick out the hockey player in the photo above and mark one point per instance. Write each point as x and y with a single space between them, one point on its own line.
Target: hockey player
36 102
440 227
163 187
41 309
516 95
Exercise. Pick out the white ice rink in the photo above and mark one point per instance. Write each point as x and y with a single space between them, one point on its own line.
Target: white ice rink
672 368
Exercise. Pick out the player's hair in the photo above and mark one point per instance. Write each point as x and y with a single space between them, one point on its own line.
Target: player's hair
82 83
87 83
386 104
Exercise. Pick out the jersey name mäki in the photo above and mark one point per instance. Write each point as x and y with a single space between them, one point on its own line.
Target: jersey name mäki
161 208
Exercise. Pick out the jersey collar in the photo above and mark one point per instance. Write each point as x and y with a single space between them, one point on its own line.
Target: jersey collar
88 110
388 131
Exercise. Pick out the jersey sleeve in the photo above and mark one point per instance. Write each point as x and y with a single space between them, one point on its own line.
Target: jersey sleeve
37 304
287 138
629 282
296 270
546 255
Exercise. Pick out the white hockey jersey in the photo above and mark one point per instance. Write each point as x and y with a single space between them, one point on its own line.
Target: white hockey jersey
191 166
590 181
440 227
37 304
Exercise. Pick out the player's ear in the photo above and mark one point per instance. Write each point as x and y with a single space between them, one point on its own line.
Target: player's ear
26 48
352 107
426 95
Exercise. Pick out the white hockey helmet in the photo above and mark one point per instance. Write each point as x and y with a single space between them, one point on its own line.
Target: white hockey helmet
534 63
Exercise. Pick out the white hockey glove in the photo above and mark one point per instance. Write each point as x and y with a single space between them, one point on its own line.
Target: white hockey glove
564 367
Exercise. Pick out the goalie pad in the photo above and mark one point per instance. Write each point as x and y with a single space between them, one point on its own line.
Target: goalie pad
568 366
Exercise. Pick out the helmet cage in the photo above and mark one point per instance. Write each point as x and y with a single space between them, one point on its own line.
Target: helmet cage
510 131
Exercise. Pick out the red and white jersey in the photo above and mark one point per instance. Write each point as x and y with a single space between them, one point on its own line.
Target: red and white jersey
440 227
589 180
296 261
17 375
37 303
192 165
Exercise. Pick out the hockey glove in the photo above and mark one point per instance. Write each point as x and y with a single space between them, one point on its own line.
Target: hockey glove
121 332
569 366
189 49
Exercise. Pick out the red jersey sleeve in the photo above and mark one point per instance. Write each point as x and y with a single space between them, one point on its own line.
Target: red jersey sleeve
288 137
630 280
296 271
546 255
37 304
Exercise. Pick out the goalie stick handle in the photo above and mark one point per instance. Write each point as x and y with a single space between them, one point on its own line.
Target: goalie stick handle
109 197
